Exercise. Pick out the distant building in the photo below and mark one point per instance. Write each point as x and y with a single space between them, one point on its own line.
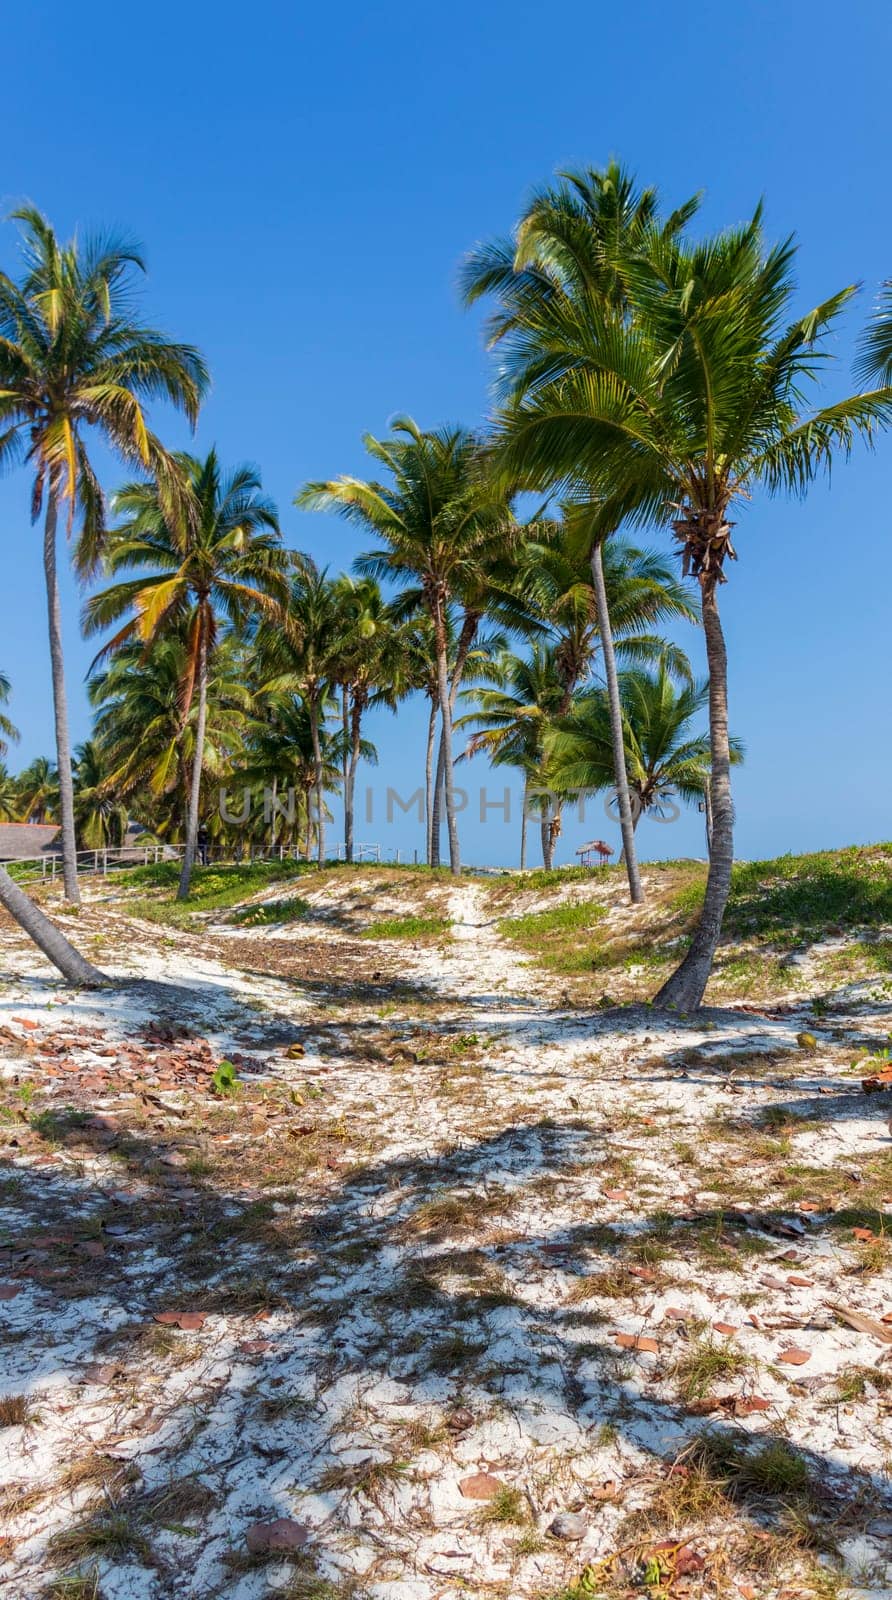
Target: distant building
21 841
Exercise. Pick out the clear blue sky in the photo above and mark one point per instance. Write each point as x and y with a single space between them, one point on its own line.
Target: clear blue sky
305 181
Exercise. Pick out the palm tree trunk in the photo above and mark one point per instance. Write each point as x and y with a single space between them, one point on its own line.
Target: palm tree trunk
350 779
429 782
437 804
317 769
545 831
446 738
197 765
684 990
60 702
523 825
636 893
72 965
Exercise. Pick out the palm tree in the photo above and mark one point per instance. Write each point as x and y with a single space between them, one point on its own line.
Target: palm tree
439 521
639 591
71 359
99 812
512 719
372 671
281 758
147 748
39 791
9 733
10 797
573 256
215 553
665 757
682 412
874 363
309 658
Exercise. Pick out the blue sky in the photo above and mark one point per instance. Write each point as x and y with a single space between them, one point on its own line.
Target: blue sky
305 181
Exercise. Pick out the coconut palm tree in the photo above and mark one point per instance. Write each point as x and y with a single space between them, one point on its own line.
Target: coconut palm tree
874 362
10 796
73 359
308 659
99 812
147 747
682 412
642 593
39 791
9 733
215 554
512 719
573 254
373 672
439 521
665 756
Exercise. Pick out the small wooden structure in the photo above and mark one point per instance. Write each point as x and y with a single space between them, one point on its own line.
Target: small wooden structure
595 847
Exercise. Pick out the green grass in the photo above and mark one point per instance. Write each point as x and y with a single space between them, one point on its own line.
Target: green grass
848 888
216 887
271 912
543 878
558 936
407 928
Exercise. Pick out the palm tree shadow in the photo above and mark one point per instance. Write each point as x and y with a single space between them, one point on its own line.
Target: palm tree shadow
406 1270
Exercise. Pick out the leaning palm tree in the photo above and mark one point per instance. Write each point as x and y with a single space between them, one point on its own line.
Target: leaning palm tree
681 413
439 520
73 359
573 256
216 553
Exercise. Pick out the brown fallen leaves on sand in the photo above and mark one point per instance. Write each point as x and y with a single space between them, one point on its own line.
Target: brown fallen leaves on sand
480 1486
794 1356
636 1341
189 1321
281 1534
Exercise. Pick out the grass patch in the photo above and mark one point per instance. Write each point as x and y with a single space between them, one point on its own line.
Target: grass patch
212 888
271 912
848 888
703 1365
408 928
557 936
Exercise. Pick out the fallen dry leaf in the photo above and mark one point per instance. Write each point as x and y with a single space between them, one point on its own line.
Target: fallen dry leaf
480 1486
800 1283
636 1341
281 1534
793 1356
187 1320
724 1327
